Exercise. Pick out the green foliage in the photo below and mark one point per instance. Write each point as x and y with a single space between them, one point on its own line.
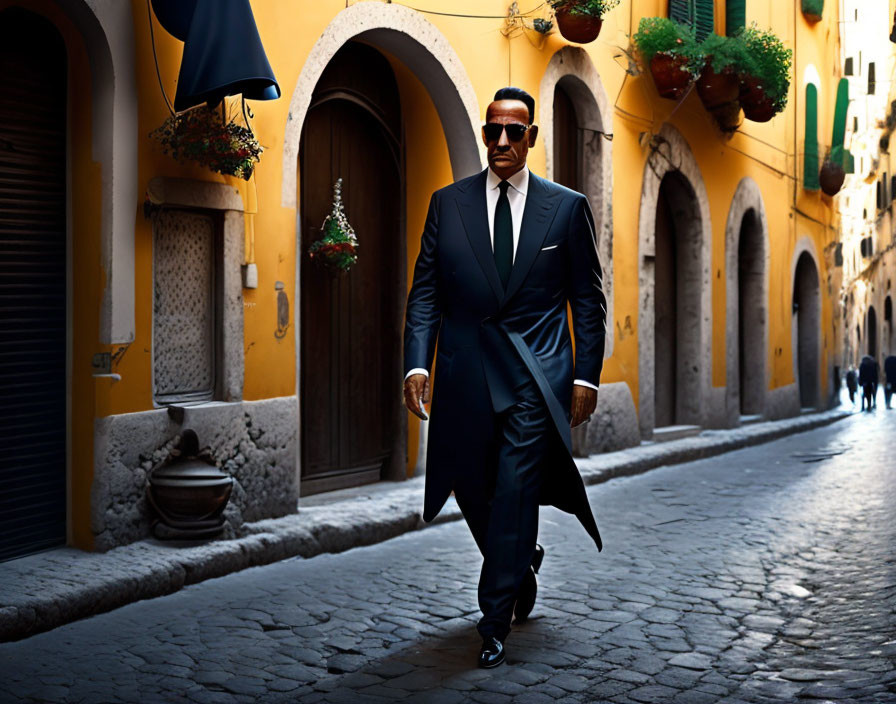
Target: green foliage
660 35
766 58
724 52
595 8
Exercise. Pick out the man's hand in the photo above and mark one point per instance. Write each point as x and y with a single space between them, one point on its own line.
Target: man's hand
584 401
416 387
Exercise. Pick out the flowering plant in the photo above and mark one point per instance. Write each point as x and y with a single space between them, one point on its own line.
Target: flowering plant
767 60
211 140
337 250
660 35
594 8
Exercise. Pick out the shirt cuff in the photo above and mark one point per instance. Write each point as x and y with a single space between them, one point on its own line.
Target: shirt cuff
417 370
580 382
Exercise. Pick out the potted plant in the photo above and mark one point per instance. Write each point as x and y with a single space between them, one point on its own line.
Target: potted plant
764 75
671 52
337 250
832 172
580 20
718 82
812 10
211 139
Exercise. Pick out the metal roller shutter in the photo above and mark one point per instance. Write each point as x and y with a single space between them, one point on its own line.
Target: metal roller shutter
32 284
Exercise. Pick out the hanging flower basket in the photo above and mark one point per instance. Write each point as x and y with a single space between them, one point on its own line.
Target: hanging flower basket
717 88
210 139
831 177
337 250
671 53
812 10
764 74
580 21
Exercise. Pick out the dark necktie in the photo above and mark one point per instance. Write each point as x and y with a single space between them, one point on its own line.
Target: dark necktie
503 231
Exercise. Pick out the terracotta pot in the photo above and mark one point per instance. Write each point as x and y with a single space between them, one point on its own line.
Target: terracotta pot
578 27
727 116
670 75
758 107
831 177
717 88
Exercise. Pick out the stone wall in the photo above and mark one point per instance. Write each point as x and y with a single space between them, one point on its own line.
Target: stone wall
254 441
614 425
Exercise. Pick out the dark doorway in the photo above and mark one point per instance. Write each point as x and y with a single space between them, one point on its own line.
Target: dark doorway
807 330
888 326
351 324
677 277
871 332
567 147
33 70
751 352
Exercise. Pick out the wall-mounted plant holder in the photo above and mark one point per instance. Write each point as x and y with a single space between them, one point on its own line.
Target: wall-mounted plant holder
812 10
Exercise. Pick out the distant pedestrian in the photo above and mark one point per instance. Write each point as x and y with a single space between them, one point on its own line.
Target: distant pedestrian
868 376
852 384
890 374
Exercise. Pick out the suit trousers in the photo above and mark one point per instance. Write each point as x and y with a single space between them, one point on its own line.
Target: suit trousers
502 509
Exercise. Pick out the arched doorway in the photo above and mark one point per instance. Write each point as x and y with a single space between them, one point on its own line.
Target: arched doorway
751 315
350 324
33 285
677 282
871 332
807 330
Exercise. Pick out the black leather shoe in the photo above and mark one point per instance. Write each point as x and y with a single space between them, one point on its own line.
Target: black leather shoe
525 598
492 653
537 558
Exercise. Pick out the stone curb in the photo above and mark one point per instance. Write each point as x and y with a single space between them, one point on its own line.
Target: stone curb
50 589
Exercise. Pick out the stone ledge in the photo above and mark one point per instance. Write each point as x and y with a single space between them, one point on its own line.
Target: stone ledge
43 591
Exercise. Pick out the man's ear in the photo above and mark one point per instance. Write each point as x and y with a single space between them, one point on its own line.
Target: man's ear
533 135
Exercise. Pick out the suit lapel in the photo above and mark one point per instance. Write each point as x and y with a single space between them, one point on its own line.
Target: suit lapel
474 214
539 213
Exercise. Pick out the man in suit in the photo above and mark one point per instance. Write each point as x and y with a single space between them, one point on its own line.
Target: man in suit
868 376
502 254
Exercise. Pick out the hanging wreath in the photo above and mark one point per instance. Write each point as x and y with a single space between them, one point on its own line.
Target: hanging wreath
211 139
337 249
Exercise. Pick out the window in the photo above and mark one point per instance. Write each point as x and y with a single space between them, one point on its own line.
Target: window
699 14
735 16
186 310
810 158
872 82
847 66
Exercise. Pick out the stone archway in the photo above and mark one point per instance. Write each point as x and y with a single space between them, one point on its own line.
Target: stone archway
672 166
411 38
806 326
572 70
746 319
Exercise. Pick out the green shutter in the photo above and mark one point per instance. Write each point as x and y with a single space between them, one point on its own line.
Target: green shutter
682 11
735 16
704 18
840 108
849 162
810 156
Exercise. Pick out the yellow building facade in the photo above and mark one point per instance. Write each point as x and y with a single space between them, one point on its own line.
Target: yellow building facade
295 382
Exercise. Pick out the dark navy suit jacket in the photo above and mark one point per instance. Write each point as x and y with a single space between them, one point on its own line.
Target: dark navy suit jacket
491 340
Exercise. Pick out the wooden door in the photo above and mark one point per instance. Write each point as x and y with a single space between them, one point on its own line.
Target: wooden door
351 324
32 284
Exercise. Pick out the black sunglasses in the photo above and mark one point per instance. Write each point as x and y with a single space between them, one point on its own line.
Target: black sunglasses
515 131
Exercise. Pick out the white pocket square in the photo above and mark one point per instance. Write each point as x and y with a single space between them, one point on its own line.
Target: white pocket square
553 246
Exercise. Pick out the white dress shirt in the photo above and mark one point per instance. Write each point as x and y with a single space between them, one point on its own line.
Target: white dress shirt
516 195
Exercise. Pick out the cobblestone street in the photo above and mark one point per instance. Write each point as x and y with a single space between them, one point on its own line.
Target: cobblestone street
767 574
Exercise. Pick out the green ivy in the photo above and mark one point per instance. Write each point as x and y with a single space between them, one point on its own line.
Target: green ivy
595 8
766 58
660 35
